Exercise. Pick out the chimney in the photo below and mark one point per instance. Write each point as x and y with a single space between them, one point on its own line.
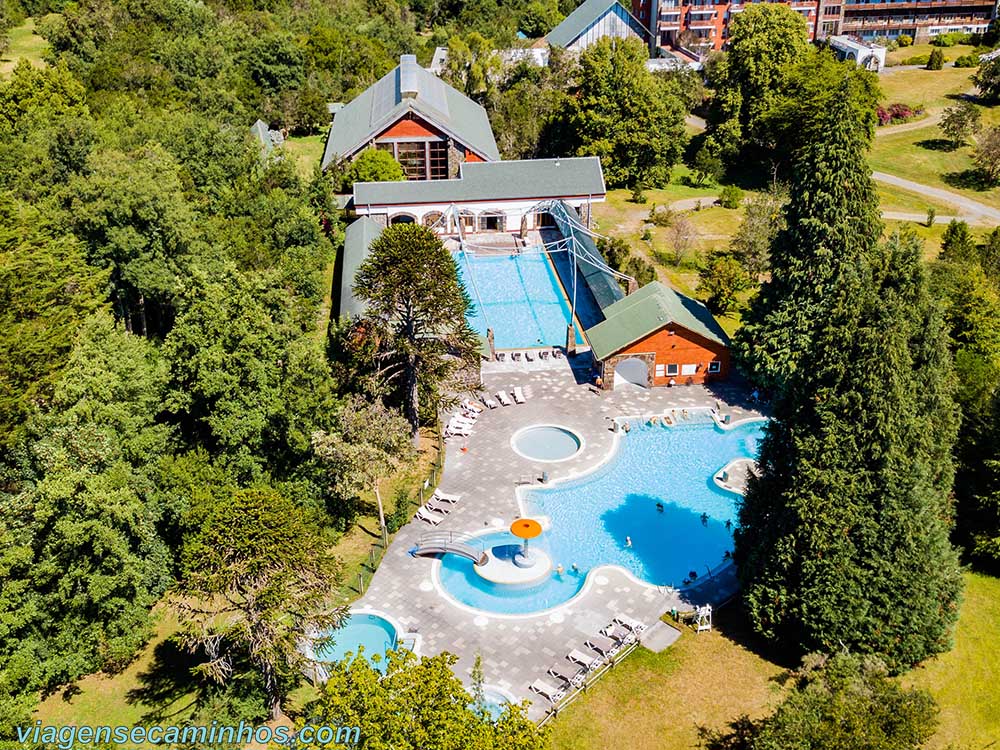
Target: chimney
408 88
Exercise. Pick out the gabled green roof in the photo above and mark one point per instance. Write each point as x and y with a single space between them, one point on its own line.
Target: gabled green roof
646 311
587 15
357 239
409 88
496 180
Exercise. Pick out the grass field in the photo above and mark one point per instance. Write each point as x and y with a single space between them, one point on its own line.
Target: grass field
929 89
892 198
25 44
307 151
897 56
660 700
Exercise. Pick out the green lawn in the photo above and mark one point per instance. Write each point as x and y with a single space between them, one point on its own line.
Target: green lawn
923 156
660 700
307 151
24 44
928 89
892 198
897 56
966 681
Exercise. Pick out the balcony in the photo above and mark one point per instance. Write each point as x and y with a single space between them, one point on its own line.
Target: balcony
920 5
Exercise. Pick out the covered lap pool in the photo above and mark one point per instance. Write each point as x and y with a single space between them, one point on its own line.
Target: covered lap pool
521 299
653 509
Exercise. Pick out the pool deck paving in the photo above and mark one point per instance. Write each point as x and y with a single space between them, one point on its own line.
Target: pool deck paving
485 470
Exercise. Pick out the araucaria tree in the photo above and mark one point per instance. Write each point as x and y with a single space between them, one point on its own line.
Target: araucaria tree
257 579
844 538
625 115
416 309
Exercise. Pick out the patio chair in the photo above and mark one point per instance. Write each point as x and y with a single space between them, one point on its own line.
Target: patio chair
447 497
519 395
438 506
516 356
490 403
544 354
618 633
456 431
547 691
425 515
569 672
630 622
530 356
472 406
460 420
503 398
557 353
501 356
586 661
603 645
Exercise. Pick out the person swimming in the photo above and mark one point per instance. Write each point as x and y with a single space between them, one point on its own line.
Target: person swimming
628 541
559 569
659 507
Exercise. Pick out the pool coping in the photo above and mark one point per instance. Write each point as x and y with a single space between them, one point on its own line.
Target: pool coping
589 580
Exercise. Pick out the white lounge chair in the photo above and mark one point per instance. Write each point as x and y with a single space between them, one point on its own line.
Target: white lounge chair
438 506
503 398
618 633
630 622
519 395
547 691
425 515
461 422
490 403
448 497
530 356
603 645
456 431
472 406
584 660
569 672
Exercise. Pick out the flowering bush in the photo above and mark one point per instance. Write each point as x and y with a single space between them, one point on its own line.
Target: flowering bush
896 113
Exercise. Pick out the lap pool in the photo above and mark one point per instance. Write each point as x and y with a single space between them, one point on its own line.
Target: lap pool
521 299
658 491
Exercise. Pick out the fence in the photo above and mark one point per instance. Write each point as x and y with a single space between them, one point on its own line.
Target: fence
410 500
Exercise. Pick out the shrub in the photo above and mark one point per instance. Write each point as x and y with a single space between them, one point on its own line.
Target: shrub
951 39
661 216
931 215
896 112
936 60
917 60
638 193
967 61
730 197
904 40
400 512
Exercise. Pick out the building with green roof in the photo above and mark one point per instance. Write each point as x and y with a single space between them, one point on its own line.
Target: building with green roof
428 126
595 19
657 336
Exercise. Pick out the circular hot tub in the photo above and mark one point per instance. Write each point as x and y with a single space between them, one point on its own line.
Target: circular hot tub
546 442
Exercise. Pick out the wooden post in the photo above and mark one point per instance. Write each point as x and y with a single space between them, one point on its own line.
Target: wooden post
570 340
361 582
489 340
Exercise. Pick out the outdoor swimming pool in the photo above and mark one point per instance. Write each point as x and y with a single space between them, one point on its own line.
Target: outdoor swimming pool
520 298
376 634
591 516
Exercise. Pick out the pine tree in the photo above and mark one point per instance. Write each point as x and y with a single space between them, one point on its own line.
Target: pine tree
843 541
831 223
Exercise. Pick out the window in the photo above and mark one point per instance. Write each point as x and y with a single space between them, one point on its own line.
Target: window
689 369
413 158
715 366
671 369
661 371
438 151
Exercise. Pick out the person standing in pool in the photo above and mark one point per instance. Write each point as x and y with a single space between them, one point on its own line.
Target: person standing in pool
628 541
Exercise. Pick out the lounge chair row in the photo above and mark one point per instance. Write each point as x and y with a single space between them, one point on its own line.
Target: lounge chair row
439 506
530 354
461 424
505 400
572 672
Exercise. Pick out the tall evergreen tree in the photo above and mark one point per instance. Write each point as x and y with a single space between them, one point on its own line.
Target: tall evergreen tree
831 223
843 540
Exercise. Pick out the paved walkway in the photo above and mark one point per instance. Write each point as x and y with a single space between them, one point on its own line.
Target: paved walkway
484 469
965 205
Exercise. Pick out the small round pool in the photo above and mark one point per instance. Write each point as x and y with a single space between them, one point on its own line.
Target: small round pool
546 442
375 633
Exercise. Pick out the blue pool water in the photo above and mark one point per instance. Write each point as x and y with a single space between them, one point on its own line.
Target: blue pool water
374 633
547 442
520 298
592 515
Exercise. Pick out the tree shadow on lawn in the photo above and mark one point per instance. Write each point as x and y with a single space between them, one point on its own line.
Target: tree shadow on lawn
936 144
732 622
969 179
167 682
